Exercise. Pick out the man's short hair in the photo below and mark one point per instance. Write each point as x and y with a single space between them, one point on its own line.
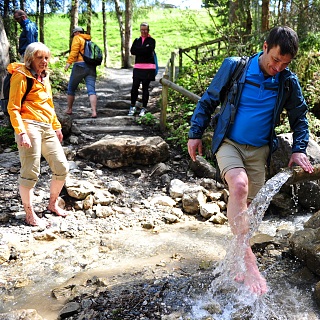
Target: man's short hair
285 38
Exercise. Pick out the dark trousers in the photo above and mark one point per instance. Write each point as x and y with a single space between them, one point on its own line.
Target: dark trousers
135 91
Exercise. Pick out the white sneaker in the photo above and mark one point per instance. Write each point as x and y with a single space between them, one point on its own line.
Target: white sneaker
142 112
132 111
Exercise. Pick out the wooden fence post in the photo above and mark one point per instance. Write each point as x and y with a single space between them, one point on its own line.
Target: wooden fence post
172 67
163 114
180 59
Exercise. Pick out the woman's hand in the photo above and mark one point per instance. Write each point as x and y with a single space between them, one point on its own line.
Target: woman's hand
24 140
59 135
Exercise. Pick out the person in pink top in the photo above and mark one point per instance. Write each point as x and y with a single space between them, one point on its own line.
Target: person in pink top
144 68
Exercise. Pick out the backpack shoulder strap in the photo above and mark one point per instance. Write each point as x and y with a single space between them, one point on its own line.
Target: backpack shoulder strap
29 86
241 64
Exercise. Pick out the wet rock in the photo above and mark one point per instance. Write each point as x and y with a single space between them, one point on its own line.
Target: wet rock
280 160
261 240
69 309
305 245
314 221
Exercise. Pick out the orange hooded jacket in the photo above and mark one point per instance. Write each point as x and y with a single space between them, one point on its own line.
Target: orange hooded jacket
77 46
38 105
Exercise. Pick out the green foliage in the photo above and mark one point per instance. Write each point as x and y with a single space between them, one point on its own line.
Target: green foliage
196 79
148 119
170 28
7 137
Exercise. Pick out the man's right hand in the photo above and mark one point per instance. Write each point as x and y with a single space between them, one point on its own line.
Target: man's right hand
194 146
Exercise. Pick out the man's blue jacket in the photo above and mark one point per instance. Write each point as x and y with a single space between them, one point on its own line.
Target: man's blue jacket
289 97
28 35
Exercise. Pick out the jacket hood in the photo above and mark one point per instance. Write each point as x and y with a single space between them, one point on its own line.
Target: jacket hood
19 67
84 36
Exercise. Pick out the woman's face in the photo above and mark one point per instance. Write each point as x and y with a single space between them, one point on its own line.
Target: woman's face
40 61
144 30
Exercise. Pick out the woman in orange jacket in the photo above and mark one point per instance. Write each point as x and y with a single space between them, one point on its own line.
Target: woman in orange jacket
80 71
37 129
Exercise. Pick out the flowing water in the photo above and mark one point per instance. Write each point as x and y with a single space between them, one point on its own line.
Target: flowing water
227 299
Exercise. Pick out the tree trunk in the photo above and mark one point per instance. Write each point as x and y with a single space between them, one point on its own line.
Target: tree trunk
265 15
41 21
303 14
128 33
233 7
121 29
89 16
4 53
74 17
105 41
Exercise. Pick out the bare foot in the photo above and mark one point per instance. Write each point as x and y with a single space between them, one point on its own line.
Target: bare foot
252 277
93 116
69 111
255 282
57 210
239 277
33 220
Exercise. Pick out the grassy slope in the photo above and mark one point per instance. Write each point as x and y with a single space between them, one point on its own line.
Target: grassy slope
172 28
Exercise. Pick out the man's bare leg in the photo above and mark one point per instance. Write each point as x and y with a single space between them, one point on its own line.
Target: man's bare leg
239 222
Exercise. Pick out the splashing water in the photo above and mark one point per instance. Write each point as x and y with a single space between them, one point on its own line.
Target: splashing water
227 299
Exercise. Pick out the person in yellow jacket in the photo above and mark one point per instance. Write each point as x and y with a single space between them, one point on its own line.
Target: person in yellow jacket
37 130
80 71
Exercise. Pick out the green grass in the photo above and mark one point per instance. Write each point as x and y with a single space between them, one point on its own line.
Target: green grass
171 28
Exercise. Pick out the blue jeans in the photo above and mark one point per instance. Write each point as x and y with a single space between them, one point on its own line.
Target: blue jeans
80 71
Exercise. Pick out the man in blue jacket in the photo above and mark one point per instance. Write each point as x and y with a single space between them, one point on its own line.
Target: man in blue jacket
29 32
244 136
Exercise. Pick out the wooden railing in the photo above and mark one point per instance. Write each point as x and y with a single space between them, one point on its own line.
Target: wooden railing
198 54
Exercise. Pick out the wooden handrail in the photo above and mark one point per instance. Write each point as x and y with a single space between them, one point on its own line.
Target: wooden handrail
172 85
169 74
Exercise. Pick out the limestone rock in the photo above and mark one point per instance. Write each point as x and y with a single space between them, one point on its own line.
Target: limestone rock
120 151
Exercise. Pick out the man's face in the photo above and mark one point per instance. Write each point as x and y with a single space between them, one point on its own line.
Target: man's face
18 17
273 62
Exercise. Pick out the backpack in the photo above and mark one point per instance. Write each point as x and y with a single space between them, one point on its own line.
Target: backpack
6 91
92 54
156 62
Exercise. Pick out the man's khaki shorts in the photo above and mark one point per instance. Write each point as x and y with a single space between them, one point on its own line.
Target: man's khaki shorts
253 159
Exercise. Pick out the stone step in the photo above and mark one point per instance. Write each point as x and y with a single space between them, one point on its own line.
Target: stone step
108 129
107 121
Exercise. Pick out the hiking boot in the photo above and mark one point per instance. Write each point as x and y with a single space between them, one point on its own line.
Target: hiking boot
142 112
132 111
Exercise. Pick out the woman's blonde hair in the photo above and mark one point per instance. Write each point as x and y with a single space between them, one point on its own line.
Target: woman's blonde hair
32 49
